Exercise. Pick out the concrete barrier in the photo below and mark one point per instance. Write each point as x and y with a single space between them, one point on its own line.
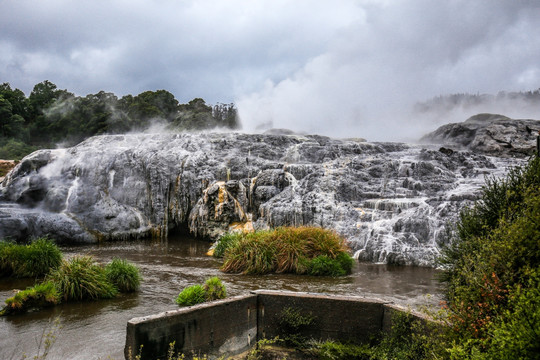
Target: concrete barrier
231 326
219 327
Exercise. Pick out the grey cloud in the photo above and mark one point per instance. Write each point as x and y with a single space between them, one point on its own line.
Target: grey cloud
192 48
342 68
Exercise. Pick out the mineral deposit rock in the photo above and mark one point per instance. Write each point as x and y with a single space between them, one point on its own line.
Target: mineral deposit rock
492 134
389 200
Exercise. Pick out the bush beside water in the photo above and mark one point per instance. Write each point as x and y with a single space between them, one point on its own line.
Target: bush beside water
76 279
33 260
124 275
298 250
213 289
81 278
42 295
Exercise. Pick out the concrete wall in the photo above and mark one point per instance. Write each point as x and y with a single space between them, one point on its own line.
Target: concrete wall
345 318
234 325
223 326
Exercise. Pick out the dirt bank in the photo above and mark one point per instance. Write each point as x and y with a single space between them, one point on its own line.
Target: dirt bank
5 167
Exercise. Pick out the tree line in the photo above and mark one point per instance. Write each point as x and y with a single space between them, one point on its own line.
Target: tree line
50 115
465 100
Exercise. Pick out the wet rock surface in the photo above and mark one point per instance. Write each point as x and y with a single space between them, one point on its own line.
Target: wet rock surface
492 134
389 200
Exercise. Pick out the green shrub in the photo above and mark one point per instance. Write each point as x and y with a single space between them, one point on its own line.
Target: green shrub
405 340
15 150
331 350
124 275
82 278
214 289
490 268
285 250
250 255
191 295
292 323
33 260
224 243
38 296
325 266
515 333
345 261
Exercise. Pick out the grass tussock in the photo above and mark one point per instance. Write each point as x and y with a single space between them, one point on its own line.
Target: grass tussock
82 278
191 295
32 260
79 278
39 296
124 275
298 250
213 289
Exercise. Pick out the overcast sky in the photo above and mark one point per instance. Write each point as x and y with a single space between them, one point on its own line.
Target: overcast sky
340 68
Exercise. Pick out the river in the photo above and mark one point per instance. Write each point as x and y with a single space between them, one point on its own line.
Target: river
97 330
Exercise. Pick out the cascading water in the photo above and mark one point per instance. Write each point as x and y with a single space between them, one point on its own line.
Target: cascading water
389 200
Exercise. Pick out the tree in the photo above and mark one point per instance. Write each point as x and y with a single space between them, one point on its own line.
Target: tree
6 112
42 97
18 100
226 115
148 105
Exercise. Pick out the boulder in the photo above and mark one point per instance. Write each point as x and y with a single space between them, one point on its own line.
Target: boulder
491 134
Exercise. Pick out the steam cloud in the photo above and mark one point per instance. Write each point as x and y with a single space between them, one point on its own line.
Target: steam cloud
366 84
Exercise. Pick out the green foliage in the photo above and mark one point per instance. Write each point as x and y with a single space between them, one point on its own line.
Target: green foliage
260 350
292 320
326 266
214 289
331 350
38 296
285 250
124 275
491 268
292 323
15 149
81 278
33 260
225 242
409 338
50 115
405 340
516 332
191 295
250 256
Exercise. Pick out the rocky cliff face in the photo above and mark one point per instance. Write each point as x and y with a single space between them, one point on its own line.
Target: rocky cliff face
389 200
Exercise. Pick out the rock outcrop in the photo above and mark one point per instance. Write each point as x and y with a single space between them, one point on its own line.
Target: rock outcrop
491 134
389 200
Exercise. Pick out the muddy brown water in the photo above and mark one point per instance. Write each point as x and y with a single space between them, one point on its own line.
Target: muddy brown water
97 330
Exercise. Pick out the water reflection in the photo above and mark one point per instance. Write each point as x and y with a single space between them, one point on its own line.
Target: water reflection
97 329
